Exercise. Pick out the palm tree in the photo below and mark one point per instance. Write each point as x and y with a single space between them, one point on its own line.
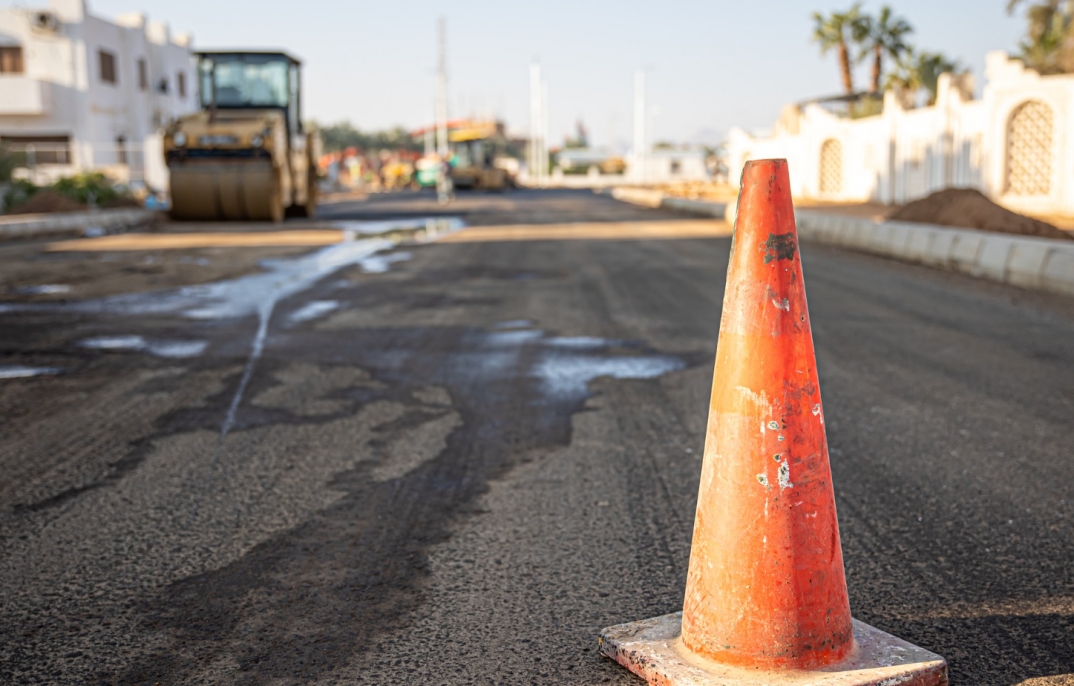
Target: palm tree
831 32
1049 44
921 70
930 65
884 35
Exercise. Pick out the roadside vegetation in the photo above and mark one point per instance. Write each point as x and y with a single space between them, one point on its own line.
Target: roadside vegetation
343 135
8 164
71 194
857 36
1048 46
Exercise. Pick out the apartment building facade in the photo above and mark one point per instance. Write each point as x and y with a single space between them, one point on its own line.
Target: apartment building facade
79 92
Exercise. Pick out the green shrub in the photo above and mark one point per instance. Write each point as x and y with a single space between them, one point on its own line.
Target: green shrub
18 192
8 162
91 188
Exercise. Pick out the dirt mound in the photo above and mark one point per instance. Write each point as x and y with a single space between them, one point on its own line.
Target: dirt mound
966 208
46 201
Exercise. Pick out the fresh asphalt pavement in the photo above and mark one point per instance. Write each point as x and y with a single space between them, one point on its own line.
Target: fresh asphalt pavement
457 465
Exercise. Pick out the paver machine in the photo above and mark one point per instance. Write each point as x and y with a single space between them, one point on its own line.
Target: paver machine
244 155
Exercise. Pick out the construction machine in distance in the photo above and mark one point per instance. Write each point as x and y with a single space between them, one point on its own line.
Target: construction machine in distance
473 145
477 150
245 154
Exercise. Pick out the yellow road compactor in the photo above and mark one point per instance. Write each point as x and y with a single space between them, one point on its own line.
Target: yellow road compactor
245 154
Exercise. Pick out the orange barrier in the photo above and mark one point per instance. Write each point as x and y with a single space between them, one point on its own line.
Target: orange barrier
766 597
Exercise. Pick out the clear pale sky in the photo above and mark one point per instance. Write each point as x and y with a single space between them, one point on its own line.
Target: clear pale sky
711 65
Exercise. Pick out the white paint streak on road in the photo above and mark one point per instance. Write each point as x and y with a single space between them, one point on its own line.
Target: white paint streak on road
160 348
18 371
312 310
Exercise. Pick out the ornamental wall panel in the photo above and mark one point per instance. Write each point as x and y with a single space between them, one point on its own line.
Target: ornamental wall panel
1029 150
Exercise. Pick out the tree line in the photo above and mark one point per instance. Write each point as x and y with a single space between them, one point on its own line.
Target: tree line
857 36
343 135
1048 46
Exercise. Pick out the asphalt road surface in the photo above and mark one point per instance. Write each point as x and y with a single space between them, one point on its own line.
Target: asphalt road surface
455 463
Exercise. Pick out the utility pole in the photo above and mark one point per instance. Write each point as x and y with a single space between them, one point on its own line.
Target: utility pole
441 92
650 125
444 190
430 135
544 130
639 127
535 94
538 150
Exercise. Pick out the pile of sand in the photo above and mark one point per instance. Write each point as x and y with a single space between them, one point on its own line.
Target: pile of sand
966 208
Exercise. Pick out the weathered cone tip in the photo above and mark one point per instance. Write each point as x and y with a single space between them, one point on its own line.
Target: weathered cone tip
766 586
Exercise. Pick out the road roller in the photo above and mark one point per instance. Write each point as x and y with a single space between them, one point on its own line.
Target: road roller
474 146
245 154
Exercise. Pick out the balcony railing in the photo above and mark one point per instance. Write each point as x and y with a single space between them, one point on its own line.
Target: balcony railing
31 154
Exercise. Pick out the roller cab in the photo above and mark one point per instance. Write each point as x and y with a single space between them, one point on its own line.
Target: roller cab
244 155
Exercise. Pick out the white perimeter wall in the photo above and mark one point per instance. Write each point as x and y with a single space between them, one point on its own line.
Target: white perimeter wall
904 154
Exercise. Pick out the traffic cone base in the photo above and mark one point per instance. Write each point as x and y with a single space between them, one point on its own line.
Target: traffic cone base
652 649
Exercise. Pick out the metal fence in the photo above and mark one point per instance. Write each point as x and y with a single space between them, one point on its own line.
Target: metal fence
45 161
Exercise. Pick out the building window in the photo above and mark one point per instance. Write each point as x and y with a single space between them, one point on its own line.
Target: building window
121 150
31 151
107 63
180 84
143 74
11 59
162 87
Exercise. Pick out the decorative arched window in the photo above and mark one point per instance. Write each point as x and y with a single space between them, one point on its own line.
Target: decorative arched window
1029 150
831 167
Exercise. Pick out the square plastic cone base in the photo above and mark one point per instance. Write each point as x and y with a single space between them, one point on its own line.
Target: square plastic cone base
651 649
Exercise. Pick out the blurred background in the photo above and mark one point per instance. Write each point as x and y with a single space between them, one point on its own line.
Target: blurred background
873 104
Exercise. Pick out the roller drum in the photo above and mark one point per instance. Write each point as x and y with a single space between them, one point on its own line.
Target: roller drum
246 190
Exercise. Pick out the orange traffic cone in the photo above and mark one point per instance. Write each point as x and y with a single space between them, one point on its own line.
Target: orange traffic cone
766 597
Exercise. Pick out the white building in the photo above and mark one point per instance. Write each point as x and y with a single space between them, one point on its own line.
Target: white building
78 92
666 165
1011 144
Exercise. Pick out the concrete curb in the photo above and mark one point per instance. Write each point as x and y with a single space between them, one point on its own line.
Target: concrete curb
650 197
31 225
705 207
1041 264
639 196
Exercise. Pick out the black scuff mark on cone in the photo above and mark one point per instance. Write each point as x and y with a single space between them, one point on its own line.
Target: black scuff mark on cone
780 246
